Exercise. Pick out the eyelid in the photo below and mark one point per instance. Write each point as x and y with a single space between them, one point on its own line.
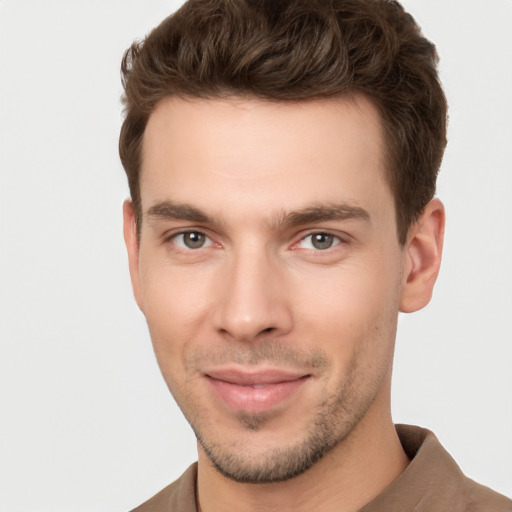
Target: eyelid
339 240
170 236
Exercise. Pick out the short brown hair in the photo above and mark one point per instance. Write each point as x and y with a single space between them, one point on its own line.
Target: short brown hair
289 50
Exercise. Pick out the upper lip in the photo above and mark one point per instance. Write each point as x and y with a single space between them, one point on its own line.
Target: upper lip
251 377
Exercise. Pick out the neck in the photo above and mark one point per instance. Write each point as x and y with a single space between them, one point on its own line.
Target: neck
358 469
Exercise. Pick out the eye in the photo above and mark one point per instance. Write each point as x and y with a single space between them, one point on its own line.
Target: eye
319 241
191 240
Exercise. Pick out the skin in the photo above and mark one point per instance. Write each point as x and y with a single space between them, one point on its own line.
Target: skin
259 185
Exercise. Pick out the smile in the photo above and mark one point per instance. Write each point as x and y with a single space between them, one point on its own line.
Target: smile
254 392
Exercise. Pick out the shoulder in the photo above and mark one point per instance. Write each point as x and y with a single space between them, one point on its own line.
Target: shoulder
433 482
443 483
178 496
482 499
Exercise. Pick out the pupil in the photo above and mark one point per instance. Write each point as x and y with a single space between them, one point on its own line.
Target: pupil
322 241
193 240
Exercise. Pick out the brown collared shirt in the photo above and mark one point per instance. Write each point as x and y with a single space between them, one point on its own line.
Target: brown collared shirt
431 483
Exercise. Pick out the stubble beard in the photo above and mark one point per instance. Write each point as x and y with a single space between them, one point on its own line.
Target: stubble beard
333 422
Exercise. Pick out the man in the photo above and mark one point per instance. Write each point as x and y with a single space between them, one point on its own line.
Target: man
282 159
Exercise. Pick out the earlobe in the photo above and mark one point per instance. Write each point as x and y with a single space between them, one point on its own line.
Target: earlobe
423 253
132 247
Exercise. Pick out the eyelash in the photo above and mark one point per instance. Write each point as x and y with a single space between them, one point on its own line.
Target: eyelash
335 241
182 247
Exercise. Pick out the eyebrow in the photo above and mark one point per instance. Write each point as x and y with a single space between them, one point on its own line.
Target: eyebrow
169 210
322 213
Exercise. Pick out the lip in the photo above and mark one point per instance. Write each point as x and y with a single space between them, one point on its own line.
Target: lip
255 391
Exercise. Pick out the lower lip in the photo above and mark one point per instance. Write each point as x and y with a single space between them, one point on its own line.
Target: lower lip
253 400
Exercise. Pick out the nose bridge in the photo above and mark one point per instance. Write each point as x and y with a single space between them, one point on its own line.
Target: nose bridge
252 300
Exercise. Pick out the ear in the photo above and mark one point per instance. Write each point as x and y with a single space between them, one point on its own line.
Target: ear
422 253
132 246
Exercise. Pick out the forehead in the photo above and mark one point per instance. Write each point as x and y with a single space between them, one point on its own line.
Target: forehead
234 152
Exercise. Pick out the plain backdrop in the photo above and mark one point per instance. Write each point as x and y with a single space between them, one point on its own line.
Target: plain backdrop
86 422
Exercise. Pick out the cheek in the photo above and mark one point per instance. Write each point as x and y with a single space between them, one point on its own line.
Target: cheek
175 304
351 308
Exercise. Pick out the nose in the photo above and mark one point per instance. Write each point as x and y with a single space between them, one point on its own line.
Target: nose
252 303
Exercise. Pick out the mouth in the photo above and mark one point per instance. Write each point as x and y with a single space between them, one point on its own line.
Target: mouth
254 392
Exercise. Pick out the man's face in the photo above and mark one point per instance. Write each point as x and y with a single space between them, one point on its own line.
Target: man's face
270 274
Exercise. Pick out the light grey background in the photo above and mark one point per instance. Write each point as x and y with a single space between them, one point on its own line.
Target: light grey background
86 423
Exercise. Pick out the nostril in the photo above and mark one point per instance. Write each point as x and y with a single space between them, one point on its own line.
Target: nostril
267 330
